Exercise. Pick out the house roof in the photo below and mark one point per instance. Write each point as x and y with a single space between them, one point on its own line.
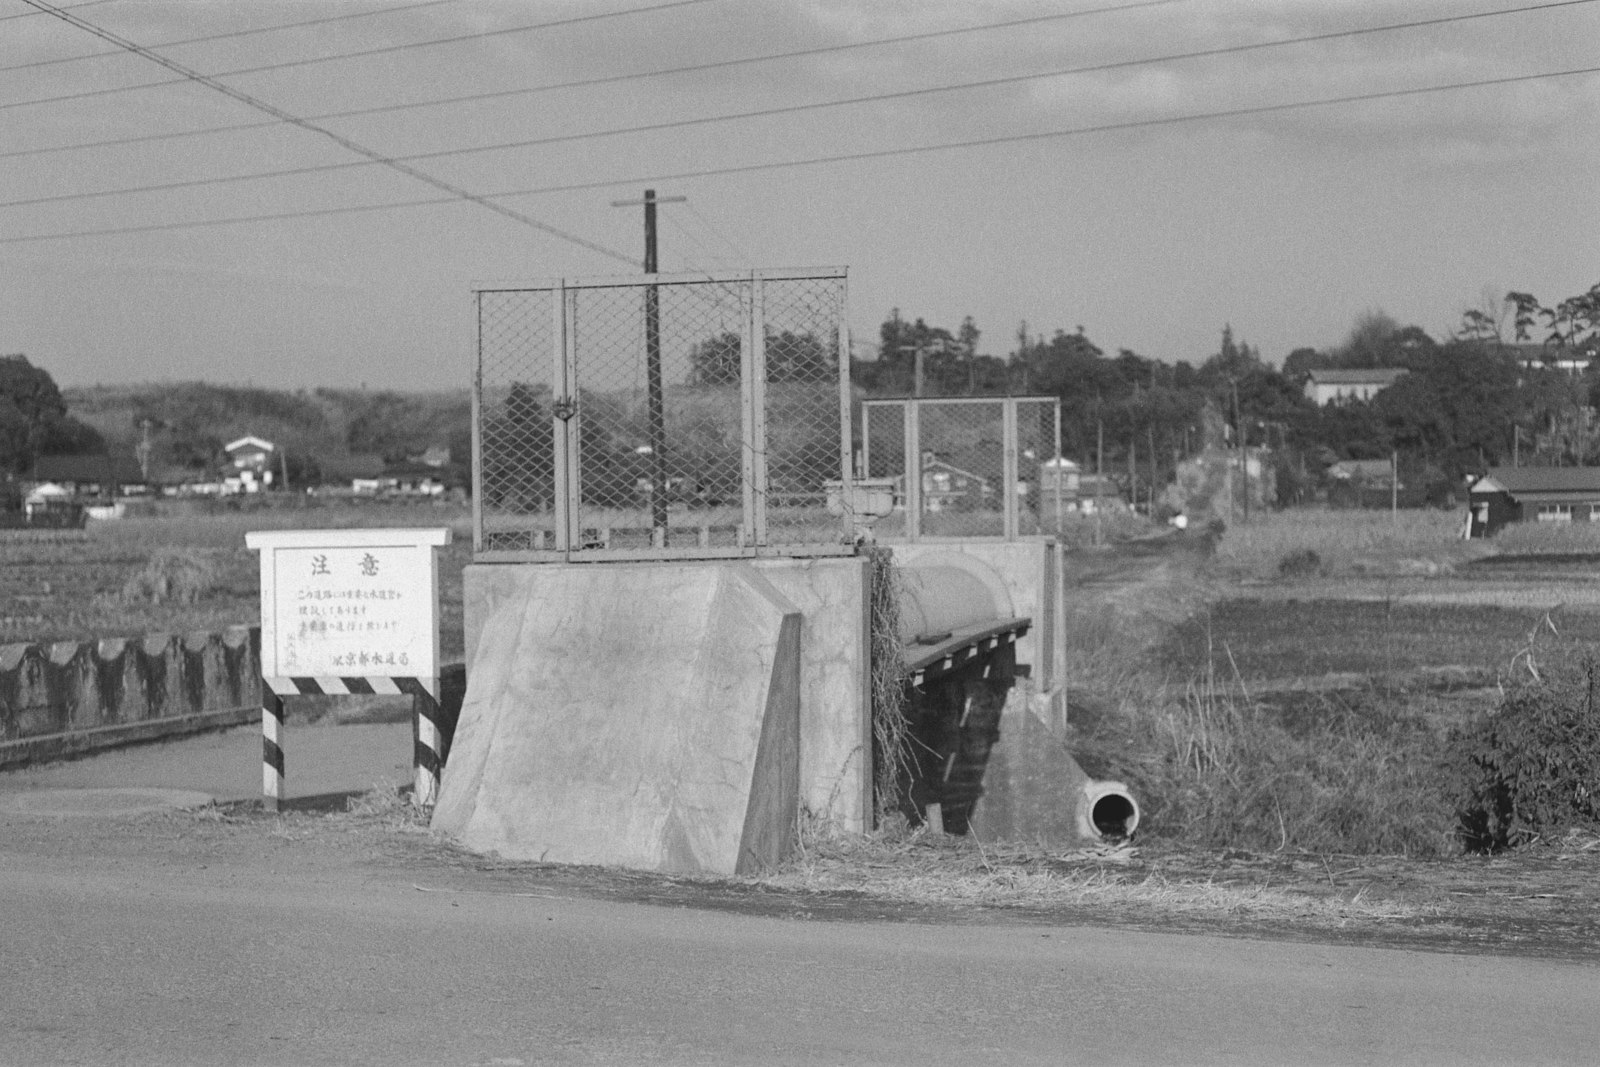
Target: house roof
87 468
939 464
1523 481
1361 469
1363 376
251 442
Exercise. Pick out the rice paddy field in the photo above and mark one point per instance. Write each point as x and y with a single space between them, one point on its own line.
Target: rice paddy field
183 568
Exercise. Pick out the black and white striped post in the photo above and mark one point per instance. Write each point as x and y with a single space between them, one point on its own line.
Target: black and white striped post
332 600
271 747
425 754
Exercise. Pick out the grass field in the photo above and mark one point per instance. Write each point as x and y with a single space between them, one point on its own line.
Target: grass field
1275 639
184 569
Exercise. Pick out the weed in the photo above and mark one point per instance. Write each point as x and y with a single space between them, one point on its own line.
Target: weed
889 728
1528 771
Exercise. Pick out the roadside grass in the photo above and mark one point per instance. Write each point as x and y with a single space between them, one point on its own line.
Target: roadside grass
919 867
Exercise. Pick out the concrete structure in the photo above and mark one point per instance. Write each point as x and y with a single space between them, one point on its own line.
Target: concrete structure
1335 385
1532 494
652 715
72 697
639 713
1023 579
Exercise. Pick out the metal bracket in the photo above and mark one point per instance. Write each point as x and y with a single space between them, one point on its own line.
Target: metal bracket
565 408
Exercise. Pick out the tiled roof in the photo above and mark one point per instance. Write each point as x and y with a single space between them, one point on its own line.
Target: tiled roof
1373 375
1516 480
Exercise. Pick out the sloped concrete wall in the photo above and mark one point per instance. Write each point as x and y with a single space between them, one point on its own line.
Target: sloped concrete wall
834 602
641 715
73 697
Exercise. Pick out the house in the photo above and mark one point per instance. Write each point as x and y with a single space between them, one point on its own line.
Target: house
252 465
417 480
1077 490
1368 472
87 478
946 487
1532 494
1332 386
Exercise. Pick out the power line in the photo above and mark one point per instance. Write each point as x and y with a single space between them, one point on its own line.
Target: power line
609 79
848 157
385 50
32 14
456 191
223 36
790 109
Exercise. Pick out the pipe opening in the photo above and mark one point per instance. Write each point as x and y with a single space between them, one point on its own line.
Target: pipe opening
1114 816
1109 811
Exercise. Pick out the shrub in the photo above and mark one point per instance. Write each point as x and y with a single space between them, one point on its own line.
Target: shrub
172 575
1532 768
1301 563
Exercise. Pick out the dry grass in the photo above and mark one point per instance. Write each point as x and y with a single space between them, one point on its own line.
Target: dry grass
1348 542
917 867
1540 538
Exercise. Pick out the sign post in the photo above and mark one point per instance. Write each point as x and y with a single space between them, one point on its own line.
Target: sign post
350 612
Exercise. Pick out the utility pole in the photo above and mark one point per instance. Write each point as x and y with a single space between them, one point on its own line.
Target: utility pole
652 358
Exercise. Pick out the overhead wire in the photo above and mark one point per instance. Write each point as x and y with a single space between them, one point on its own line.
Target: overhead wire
231 34
609 79
456 191
86 94
718 234
844 157
35 14
790 109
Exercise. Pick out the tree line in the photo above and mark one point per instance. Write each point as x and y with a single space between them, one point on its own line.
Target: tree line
1508 385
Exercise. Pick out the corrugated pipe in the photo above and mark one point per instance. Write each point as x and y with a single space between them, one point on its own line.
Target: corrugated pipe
1107 811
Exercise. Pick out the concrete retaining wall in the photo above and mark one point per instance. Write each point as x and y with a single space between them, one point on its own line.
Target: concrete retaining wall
74 697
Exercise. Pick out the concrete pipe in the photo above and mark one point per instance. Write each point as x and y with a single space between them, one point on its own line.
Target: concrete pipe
1107 811
937 599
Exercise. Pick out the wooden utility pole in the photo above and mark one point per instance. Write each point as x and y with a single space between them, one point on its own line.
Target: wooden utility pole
655 393
1394 485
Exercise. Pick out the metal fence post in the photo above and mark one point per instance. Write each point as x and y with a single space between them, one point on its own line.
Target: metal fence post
758 394
1008 466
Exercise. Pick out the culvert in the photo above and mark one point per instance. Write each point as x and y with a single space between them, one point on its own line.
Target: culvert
1107 811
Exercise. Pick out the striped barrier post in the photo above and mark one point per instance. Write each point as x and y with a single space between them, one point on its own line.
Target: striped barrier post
271 748
424 693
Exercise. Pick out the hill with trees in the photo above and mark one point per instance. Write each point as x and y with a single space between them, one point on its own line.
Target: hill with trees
328 434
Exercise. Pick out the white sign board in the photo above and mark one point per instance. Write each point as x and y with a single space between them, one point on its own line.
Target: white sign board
349 603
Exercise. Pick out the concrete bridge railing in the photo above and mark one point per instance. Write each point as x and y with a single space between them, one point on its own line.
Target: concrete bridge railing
68 698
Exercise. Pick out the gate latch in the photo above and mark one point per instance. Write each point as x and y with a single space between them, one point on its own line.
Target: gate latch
565 408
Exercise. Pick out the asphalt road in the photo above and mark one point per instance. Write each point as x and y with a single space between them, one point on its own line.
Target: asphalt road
175 955
173 939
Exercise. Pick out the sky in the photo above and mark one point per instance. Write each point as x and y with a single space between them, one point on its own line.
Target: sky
1148 199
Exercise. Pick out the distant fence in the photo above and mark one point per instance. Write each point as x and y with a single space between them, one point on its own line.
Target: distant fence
72 697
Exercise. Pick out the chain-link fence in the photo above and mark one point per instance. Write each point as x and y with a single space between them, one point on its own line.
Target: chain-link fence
964 466
666 415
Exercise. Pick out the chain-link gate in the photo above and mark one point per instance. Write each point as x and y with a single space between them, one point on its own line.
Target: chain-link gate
964 467
662 415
